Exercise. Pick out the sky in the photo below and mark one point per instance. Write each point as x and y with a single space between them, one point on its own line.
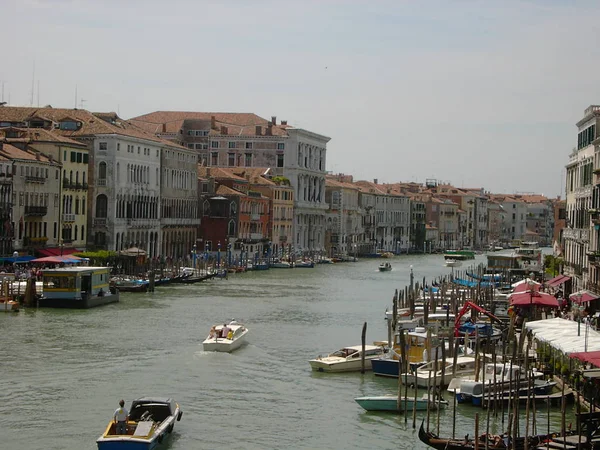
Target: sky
480 94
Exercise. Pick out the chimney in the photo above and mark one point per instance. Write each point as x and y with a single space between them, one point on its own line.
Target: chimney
164 127
273 120
270 129
224 129
258 130
213 122
375 181
284 122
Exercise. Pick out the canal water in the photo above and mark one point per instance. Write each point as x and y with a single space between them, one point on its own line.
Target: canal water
64 371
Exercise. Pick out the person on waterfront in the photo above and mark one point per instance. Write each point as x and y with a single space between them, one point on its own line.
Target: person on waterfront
224 330
120 417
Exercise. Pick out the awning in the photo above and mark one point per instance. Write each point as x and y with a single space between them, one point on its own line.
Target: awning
67 259
533 298
558 280
583 296
19 259
525 287
588 357
56 251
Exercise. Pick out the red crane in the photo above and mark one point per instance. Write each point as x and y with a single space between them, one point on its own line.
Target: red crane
469 306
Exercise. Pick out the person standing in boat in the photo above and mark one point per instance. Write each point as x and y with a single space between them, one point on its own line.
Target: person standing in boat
120 417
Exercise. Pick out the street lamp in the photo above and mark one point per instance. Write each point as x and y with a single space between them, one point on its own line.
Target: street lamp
398 248
61 245
229 255
218 255
412 277
354 246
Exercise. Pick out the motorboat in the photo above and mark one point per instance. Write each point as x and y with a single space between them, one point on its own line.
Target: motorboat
234 337
8 305
281 265
498 379
150 422
347 359
306 264
426 374
385 267
450 262
395 404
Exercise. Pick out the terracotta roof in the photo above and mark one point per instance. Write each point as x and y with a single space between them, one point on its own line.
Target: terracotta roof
254 175
12 152
225 190
218 173
238 124
91 124
370 187
340 184
37 135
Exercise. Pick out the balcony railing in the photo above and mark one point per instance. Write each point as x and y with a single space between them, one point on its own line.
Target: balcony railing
256 236
99 222
36 210
101 182
30 179
68 218
35 241
254 216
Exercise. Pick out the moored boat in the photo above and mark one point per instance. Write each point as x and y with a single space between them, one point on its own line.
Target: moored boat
395 404
77 287
150 421
347 359
226 337
426 375
306 264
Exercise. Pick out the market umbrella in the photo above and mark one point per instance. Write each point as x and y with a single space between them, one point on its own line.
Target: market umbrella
134 251
583 296
536 298
522 287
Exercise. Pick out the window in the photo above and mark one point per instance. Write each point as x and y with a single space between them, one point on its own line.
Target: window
118 146
198 146
214 144
103 146
204 188
280 160
214 159
231 159
79 157
280 146
68 125
231 144
249 145
86 158
190 132
73 156
191 145
248 159
101 206
102 171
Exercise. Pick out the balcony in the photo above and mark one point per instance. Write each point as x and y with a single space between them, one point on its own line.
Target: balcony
576 234
256 236
39 180
35 241
101 182
39 211
254 216
594 258
68 218
100 222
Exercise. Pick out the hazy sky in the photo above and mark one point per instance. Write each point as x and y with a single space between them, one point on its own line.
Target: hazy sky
478 93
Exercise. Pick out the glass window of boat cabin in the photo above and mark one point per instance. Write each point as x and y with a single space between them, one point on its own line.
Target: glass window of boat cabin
52 281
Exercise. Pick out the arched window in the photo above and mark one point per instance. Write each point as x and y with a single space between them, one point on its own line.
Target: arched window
232 209
102 171
101 206
231 228
206 208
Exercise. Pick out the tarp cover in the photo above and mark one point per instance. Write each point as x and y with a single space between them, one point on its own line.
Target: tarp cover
558 280
589 357
563 335
583 296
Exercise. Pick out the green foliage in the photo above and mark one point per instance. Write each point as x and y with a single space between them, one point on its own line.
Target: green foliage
552 264
98 258
278 179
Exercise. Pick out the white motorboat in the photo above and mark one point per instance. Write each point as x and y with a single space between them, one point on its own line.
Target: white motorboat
150 421
385 267
426 376
347 359
452 262
281 265
235 336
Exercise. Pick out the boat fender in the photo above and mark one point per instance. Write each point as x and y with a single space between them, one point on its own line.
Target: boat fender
160 438
179 416
170 429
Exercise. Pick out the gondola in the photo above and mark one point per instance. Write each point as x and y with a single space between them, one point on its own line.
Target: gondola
493 441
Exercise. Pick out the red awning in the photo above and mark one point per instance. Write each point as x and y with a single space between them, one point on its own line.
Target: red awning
583 296
589 357
557 281
525 287
55 251
531 298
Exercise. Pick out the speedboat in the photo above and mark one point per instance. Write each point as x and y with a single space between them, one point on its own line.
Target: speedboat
500 380
393 403
150 421
385 267
277 264
347 359
304 264
216 342
8 305
450 262
426 376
